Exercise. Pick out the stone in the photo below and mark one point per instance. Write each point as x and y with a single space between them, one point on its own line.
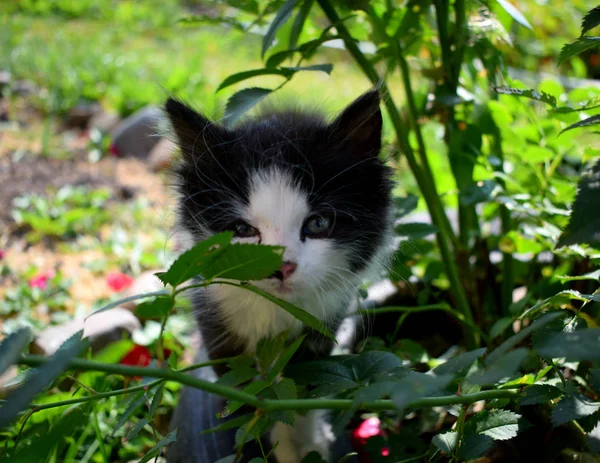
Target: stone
101 329
103 121
7 381
136 135
146 282
161 156
79 115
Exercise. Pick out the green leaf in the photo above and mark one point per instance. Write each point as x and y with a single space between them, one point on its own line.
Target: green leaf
229 459
41 378
133 432
458 366
190 263
156 308
237 377
590 20
558 299
595 275
13 346
313 457
500 327
283 14
478 192
594 379
230 424
154 451
415 231
157 399
575 346
497 424
446 442
405 205
326 68
573 407
474 446
416 385
593 439
244 262
530 93
240 76
592 120
301 314
135 297
579 46
242 102
514 13
299 21
284 358
285 390
134 404
253 388
502 367
540 394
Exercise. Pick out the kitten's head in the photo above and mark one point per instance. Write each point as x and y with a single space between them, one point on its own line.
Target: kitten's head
290 179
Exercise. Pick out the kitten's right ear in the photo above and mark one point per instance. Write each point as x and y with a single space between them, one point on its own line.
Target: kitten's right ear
193 132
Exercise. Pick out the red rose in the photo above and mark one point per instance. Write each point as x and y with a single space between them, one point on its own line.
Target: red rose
118 281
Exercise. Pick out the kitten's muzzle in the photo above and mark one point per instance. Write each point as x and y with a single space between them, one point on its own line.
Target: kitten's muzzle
287 269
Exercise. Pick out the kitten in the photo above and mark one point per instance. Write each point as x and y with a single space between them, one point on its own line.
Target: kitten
290 179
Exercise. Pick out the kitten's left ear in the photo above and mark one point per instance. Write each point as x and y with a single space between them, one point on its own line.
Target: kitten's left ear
358 127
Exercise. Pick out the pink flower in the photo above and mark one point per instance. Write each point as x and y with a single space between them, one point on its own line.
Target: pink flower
40 281
118 281
368 428
2 254
114 150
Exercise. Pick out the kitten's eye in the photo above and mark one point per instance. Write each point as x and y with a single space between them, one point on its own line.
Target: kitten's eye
316 226
243 230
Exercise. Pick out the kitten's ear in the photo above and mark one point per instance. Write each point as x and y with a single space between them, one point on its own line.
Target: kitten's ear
194 133
358 127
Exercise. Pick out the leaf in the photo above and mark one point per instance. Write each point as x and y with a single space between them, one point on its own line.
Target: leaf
595 275
229 459
478 192
326 68
242 102
593 439
416 385
281 18
299 21
240 76
415 231
301 314
133 432
157 308
575 346
136 402
497 424
253 388
592 120
458 365
573 407
156 400
189 264
285 390
168 439
514 13
502 367
446 442
284 358
500 327
540 394
559 299
473 447
135 297
238 376
590 20
405 205
594 379
13 346
313 457
41 378
244 262
579 46
230 424
530 93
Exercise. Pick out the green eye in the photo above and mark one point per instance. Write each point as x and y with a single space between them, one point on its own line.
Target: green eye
316 226
243 230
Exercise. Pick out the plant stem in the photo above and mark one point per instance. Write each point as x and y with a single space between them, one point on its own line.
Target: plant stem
269 404
460 424
423 177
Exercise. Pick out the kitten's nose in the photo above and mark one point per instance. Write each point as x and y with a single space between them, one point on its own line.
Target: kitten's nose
286 271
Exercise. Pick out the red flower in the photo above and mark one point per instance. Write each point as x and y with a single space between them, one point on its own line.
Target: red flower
367 429
40 280
114 150
2 254
138 356
118 281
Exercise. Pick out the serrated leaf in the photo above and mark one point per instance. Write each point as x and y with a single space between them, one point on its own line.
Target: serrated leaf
283 14
238 376
416 385
190 263
579 46
528 93
133 432
575 346
244 262
514 13
473 447
559 299
592 120
497 424
590 20
415 230
156 308
540 394
299 21
573 407
241 76
242 102
594 379
13 346
593 439
41 378
135 297
253 388
595 275
284 358
326 68
404 205
285 390
301 314
156 400
503 367
154 451
230 424
446 442
459 365
478 192
136 402
374 392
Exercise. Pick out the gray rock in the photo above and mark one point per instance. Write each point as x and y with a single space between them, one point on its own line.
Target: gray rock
101 329
136 135
146 282
161 156
103 121
79 116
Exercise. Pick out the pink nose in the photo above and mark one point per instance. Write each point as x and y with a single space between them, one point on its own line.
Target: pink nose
287 269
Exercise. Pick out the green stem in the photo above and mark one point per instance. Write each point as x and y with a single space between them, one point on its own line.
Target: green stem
460 424
269 404
423 177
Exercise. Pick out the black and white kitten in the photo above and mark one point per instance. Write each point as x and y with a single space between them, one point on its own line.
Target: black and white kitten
290 179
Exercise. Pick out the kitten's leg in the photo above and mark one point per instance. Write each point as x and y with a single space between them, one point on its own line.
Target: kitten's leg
310 433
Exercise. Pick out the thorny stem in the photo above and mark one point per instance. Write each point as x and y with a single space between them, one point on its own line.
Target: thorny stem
460 424
266 404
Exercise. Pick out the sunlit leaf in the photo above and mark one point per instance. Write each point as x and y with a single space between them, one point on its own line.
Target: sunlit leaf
514 13
573 407
579 46
539 394
283 14
299 21
529 93
497 424
446 442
